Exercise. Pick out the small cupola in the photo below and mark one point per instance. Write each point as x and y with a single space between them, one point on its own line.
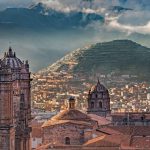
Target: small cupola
71 102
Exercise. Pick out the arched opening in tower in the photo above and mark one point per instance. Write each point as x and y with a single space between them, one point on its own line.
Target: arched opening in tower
100 105
92 104
67 141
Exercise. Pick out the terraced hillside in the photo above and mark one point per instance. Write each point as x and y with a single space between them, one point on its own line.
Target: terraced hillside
119 56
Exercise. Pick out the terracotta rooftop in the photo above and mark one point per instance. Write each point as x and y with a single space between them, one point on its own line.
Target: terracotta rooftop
140 142
36 132
65 147
101 120
71 114
55 122
36 129
105 141
132 115
133 130
99 143
109 131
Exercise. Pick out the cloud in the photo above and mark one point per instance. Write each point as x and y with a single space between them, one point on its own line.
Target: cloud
58 5
136 4
14 3
143 29
136 21
79 3
135 17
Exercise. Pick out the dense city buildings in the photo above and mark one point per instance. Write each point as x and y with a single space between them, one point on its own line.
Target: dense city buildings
50 91
130 118
97 129
15 103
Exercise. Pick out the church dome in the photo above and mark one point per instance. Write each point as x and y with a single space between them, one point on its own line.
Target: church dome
11 60
98 88
71 114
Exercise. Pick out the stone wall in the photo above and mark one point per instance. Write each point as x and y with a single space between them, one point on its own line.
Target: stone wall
57 134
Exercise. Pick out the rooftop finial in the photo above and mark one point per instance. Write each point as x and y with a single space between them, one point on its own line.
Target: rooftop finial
5 54
10 53
71 102
26 61
14 54
26 64
98 80
10 50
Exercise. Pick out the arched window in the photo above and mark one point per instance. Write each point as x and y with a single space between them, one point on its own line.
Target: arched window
100 105
92 104
143 117
67 141
96 96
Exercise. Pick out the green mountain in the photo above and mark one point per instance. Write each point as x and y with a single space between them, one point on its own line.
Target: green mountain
120 57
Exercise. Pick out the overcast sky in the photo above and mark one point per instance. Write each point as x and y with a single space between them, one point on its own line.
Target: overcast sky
14 3
20 3
135 21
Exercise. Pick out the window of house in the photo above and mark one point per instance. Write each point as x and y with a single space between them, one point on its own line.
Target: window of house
67 141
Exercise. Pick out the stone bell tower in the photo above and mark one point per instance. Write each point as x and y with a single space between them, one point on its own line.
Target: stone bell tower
15 108
98 100
7 129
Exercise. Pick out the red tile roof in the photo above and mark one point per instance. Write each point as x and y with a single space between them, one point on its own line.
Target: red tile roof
133 130
72 114
52 122
105 141
36 132
101 120
140 142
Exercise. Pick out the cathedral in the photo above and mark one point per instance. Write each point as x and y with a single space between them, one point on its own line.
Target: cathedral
15 103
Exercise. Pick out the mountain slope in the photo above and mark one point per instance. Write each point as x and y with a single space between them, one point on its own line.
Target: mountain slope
39 16
119 56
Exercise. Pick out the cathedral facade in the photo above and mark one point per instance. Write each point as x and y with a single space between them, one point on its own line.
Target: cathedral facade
99 100
15 103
